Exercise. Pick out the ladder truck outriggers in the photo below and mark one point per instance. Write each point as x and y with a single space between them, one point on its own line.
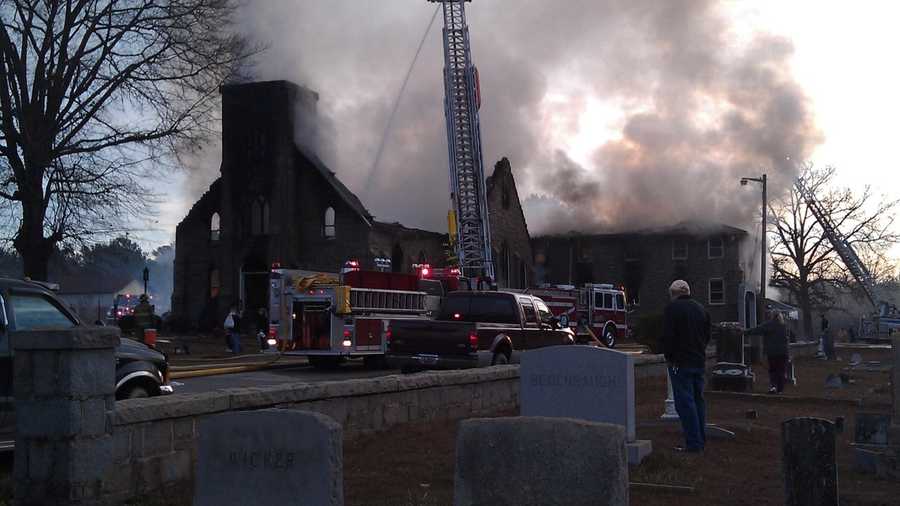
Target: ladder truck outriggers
331 317
885 316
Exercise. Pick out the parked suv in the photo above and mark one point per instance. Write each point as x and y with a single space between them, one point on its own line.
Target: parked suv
140 371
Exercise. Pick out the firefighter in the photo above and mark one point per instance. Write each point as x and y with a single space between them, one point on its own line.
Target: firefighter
143 317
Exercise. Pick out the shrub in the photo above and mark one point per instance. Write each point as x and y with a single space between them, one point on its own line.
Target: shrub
648 331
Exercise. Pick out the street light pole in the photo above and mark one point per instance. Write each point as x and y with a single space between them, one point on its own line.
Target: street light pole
763 253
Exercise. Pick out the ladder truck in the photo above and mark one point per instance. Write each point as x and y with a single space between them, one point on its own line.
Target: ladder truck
470 233
886 316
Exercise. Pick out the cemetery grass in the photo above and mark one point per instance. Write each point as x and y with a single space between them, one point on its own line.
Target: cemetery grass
414 464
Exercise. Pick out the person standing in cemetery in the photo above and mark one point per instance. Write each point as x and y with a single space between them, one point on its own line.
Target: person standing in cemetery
686 333
775 343
827 338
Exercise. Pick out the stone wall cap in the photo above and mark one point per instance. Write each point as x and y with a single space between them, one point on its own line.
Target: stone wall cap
174 406
612 429
75 338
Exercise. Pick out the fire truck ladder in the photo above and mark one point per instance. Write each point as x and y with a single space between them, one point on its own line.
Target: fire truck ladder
848 255
461 102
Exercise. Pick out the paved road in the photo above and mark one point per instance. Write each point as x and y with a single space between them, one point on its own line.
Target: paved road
301 374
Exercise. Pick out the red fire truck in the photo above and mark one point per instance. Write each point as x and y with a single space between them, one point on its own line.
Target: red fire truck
598 307
331 317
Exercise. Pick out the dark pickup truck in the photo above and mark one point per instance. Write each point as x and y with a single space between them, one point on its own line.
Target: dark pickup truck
475 329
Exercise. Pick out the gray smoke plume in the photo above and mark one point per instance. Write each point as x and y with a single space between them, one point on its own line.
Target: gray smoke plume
700 106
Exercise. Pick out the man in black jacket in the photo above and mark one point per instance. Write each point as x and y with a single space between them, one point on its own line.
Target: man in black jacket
686 331
775 342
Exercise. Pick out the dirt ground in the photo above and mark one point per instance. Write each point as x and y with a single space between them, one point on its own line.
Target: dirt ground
414 465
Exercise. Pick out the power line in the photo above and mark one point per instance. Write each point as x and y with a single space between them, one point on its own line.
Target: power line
390 123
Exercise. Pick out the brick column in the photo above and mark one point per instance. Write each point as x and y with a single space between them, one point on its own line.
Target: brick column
65 393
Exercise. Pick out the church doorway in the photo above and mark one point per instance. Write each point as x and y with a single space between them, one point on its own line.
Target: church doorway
254 291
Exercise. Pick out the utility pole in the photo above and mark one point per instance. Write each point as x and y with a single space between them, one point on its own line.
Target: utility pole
763 281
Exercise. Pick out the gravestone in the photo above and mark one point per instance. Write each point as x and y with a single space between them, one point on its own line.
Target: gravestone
872 428
525 461
729 339
271 456
585 382
834 381
732 371
808 462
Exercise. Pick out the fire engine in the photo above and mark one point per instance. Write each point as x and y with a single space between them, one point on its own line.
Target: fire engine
593 310
330 317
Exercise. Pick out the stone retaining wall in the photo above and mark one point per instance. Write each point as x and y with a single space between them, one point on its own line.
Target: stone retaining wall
154 439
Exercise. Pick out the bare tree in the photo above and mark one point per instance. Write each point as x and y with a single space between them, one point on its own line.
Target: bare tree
803 259
93 93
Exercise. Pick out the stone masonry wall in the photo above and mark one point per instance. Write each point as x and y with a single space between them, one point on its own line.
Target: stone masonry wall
510 240
154 439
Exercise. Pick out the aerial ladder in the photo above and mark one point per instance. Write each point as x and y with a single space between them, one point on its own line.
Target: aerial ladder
470 232
848 256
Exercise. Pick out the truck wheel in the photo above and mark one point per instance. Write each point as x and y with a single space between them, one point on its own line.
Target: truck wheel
609 337
500 358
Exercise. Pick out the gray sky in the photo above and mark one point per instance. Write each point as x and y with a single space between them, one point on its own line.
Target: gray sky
614 113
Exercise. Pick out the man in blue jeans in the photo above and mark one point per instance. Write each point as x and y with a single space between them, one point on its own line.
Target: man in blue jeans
686 331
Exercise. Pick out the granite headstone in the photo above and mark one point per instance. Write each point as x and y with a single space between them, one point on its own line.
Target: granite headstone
532 461
872 428
271 456
584 382
808 462
729 339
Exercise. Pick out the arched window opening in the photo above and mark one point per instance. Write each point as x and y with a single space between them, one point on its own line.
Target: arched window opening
397 258
256 218
215 283
215 227
259 216
504 197
503 277
516 272
329 229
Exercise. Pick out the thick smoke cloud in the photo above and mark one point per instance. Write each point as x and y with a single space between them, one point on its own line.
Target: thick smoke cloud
696 105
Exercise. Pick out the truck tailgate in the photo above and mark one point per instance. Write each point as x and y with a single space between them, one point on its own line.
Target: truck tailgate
430 337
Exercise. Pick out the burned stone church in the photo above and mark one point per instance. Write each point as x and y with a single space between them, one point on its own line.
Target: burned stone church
277 203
